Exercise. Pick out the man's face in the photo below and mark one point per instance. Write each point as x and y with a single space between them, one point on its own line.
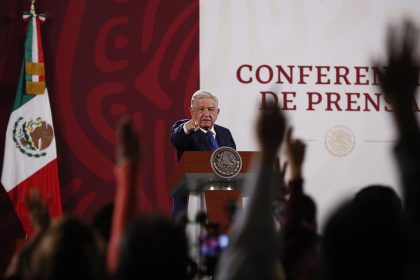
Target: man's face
205 111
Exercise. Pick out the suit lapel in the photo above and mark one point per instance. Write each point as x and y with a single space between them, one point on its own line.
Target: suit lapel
219 136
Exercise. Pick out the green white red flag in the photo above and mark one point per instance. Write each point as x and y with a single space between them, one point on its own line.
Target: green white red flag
30 157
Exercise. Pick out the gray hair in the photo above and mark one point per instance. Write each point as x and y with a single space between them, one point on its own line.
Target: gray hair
201 94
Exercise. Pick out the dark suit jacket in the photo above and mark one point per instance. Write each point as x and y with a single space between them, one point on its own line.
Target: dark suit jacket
198 141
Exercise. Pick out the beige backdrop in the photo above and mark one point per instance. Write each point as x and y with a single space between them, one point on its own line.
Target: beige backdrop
346 149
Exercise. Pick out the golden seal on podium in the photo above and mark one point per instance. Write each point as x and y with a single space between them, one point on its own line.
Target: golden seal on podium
226 162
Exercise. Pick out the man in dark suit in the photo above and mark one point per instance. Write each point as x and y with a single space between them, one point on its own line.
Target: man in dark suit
200 133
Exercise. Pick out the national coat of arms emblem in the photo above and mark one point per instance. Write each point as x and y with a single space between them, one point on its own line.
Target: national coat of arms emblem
32 137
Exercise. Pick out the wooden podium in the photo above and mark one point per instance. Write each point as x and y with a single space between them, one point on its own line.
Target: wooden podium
206 191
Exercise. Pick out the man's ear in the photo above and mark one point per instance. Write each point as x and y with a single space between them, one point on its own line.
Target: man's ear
191 111
218 110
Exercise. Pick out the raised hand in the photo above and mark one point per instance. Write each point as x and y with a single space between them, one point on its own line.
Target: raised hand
400 80
295 153
192 125
271 125
38 210
40 220
128 143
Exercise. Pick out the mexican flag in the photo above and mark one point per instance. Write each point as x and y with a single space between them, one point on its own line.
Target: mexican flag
30 157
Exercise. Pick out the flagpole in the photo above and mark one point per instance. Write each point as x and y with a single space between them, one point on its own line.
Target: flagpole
32 5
